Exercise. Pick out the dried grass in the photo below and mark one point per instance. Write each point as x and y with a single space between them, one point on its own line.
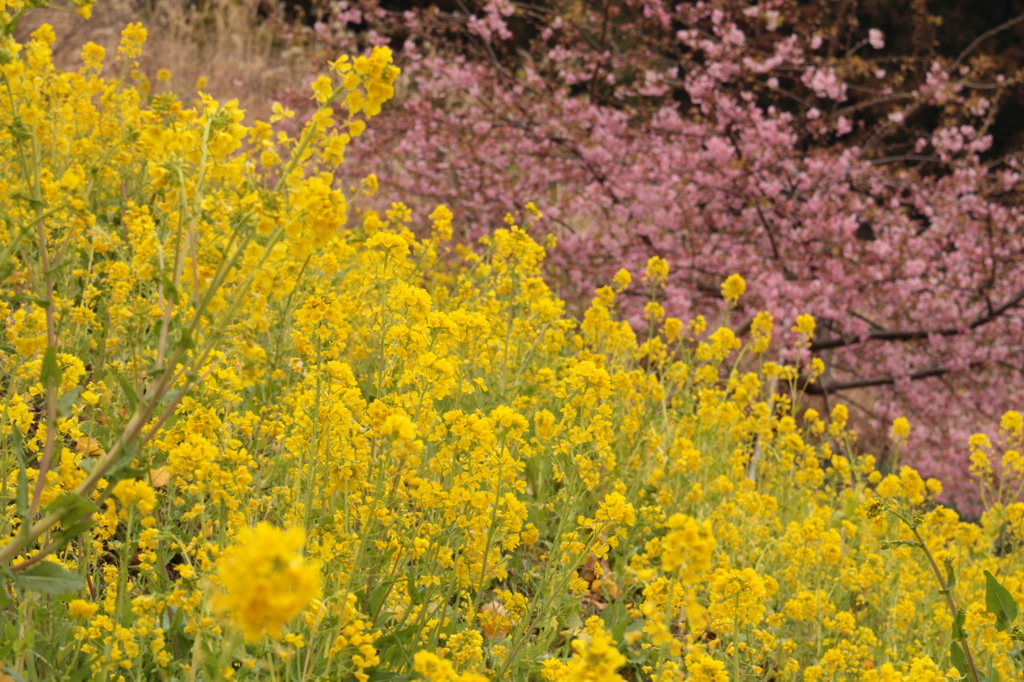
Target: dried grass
242 54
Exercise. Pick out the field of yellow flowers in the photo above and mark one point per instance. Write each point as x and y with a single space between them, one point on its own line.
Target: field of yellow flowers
254 430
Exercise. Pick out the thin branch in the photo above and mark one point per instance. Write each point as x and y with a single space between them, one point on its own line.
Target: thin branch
987 34
903 157
824 388
918 334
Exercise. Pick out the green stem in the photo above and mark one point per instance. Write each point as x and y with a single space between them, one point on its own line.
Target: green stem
945 590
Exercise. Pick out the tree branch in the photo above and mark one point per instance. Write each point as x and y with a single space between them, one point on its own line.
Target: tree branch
987 34
827 387
917 334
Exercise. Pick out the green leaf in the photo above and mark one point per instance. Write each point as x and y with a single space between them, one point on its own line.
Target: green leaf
42 302
415 593
59 266
8 637
34 203
993 674
76 505
999 602
122 467
185 340
67 401
49 578
394 647
384 676
573 621
13 675
170 291
21 493
616 619
21 496
397 637
50 374
129 392
950 578
171 396
77 519
379 593
5 600
82 674
958 658
65 535
958 625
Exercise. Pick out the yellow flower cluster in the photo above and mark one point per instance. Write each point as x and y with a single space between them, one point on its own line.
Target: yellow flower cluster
256 426
263 580
595 657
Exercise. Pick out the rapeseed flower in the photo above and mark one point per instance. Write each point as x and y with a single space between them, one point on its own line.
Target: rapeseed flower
732 288
264 581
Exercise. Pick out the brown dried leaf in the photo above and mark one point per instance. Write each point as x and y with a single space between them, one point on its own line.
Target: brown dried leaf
90 447
159 477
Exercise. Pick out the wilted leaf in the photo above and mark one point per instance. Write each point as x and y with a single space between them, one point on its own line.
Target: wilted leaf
89 447
159 477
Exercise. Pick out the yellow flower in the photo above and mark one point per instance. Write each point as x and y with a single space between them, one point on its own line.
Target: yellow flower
341 65
901 428
280 113
399 213
703 668
264 580
442 217
45 35
132 38
595 657
1012 424
657 270
93 55
924 670
737 598
370 184
804 326
673 329
79 608
615 509
136 493
323 88
732 288
980 446
761 331
71 179
688 544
